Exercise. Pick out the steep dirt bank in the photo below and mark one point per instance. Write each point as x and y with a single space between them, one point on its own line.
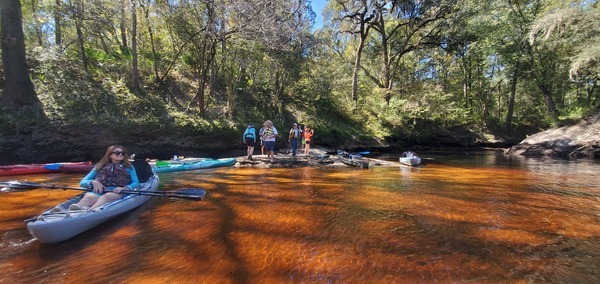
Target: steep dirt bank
85 143
579 140
80 143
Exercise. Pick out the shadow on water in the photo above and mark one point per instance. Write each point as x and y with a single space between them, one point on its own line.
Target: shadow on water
467 218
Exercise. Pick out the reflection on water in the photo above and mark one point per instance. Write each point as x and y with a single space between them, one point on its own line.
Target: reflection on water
474 217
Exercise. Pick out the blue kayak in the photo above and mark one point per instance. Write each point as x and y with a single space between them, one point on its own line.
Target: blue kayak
206 164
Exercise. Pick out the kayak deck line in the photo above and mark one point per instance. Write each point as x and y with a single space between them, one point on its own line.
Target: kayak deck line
74 213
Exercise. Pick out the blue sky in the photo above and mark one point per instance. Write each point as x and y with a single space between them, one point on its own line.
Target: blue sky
317 6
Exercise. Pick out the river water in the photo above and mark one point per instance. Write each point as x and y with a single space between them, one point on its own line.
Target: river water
463 217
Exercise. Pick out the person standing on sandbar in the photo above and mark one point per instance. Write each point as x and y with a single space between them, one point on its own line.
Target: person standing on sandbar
269 136
308 133
249 138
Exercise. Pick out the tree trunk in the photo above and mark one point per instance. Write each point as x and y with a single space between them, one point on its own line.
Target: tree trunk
385 53
122 26
465 90
212 41
134 55
80 41
363 32
549 100
212 69
18 94
202 72
82 56
57 24
356 68
387 78
146 9
154 54
590 94
36 25
199 95
511 101
203 81
465 79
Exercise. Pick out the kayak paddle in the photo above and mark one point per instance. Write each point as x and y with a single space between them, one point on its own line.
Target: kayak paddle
185 193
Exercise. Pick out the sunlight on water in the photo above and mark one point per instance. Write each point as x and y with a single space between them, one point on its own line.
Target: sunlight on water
460 218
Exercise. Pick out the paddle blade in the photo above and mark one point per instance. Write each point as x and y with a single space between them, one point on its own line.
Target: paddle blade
15 185
188 193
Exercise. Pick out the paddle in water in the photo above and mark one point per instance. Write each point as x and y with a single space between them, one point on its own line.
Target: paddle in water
185 193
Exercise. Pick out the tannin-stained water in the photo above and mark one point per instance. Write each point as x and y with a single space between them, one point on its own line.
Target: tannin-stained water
462 217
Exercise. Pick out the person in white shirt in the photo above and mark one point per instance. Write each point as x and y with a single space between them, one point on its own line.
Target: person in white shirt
269 137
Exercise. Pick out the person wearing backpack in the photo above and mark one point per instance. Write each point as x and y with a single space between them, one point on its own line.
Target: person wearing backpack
249 139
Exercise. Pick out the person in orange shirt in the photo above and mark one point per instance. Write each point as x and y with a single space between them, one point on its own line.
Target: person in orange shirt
308 133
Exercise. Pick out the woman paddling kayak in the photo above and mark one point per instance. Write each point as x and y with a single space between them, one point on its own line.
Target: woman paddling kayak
53 227
114 172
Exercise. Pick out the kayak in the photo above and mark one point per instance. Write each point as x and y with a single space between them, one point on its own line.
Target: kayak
410 159
49 227
29 169
354 160
205 164
164 163
75 168
55 166
23 169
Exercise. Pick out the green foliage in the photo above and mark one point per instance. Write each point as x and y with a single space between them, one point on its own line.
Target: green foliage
71 96
189 60
97 56
456 74
62 87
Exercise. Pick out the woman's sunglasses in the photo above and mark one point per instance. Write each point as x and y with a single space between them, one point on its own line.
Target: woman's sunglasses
119 153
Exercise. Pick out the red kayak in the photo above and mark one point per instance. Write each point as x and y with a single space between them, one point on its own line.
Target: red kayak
75 168
29 169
